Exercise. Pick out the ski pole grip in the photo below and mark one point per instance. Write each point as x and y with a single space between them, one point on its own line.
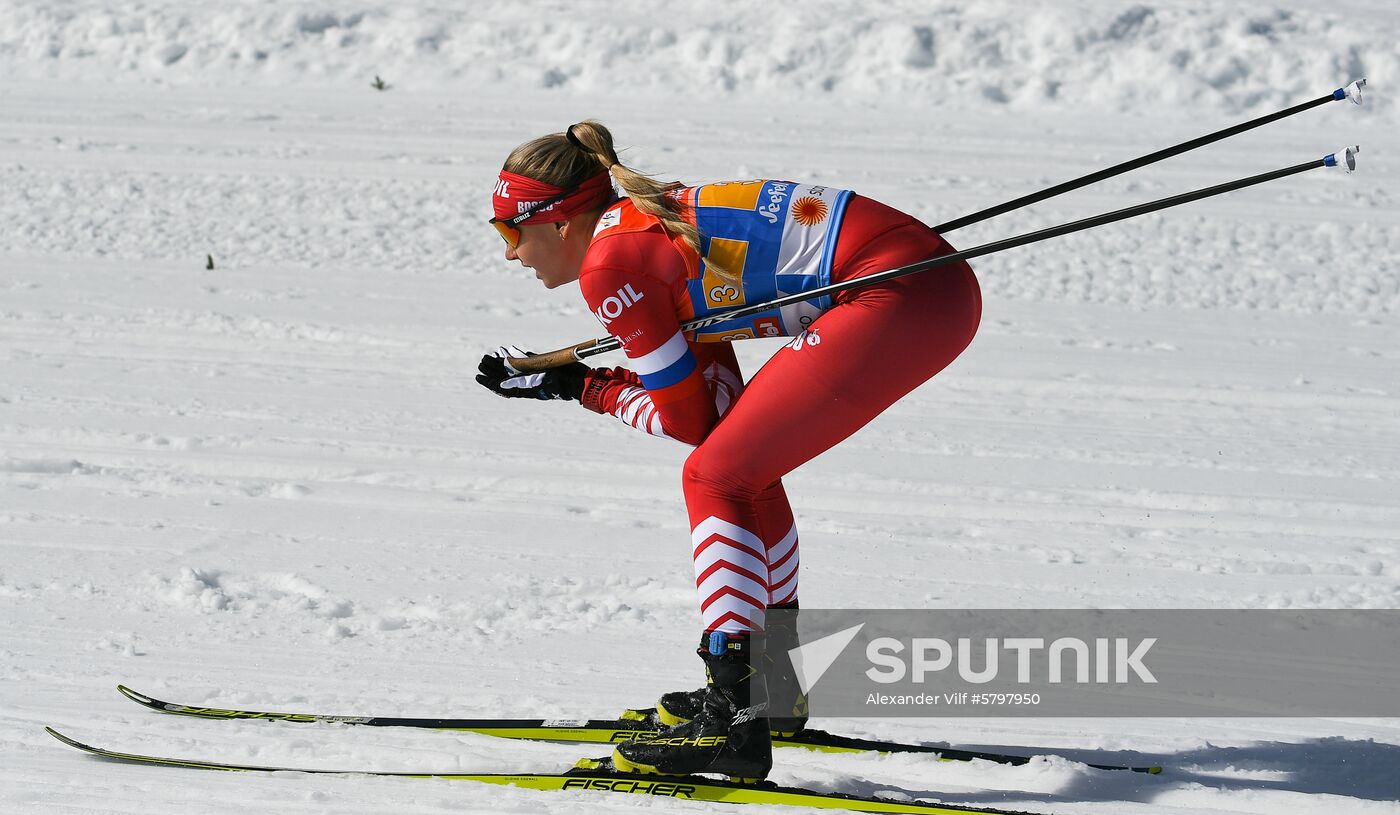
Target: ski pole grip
553 359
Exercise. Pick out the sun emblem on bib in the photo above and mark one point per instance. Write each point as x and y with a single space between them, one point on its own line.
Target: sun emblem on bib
809 211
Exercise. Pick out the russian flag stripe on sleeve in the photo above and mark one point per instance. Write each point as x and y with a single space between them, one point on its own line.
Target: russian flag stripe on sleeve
666 366
662 357
672 375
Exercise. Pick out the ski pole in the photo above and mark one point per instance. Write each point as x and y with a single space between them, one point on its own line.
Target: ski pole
1344 158
1352 92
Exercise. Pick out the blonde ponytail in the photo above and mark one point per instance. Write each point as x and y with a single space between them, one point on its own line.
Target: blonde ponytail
568 159
648 194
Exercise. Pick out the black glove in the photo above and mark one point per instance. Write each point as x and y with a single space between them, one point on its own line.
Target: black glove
556 383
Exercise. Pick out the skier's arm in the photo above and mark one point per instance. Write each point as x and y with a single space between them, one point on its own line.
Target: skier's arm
675 389
620 392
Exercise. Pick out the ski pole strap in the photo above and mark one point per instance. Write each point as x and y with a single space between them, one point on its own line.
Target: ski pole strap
1352 92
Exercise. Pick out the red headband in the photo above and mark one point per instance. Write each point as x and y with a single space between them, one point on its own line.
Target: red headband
517 193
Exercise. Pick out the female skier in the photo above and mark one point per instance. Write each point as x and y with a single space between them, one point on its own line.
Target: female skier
663 254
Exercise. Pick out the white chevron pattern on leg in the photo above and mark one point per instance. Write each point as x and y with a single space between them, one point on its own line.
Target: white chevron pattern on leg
731 576
782 569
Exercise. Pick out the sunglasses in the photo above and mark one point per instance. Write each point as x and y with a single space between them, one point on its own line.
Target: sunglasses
510 227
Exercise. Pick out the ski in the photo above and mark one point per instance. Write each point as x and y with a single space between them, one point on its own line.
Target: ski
633 724
592 775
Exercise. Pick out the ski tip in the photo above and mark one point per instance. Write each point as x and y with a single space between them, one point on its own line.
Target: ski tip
65 739
133 695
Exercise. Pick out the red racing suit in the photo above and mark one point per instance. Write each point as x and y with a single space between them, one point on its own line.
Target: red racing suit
852 357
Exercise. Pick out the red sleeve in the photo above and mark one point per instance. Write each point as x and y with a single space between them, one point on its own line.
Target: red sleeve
668 392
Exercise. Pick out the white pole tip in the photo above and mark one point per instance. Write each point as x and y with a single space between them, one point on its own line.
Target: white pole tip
1344 159
1353 91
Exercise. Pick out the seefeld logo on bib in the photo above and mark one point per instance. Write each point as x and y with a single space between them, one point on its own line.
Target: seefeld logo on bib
776 196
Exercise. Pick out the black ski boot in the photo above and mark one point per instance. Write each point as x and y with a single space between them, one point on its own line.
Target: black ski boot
787 705
728 734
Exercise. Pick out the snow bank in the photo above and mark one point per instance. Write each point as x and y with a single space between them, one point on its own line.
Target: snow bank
1106 55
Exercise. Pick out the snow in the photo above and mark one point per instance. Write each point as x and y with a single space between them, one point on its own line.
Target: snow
274 484
1137 56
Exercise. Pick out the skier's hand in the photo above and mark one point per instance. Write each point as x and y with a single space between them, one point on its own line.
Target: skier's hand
557 383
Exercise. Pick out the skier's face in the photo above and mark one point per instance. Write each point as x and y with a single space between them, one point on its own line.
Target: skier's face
555 251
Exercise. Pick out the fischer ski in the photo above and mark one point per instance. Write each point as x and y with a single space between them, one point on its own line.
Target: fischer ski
633 724
597 775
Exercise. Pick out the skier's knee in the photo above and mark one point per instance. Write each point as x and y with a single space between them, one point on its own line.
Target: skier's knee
714 475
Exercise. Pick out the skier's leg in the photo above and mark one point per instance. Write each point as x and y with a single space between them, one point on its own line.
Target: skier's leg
787 704
855 361
778 531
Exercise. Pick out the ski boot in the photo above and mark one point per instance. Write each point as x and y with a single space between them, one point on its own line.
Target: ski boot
787 705
728 733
